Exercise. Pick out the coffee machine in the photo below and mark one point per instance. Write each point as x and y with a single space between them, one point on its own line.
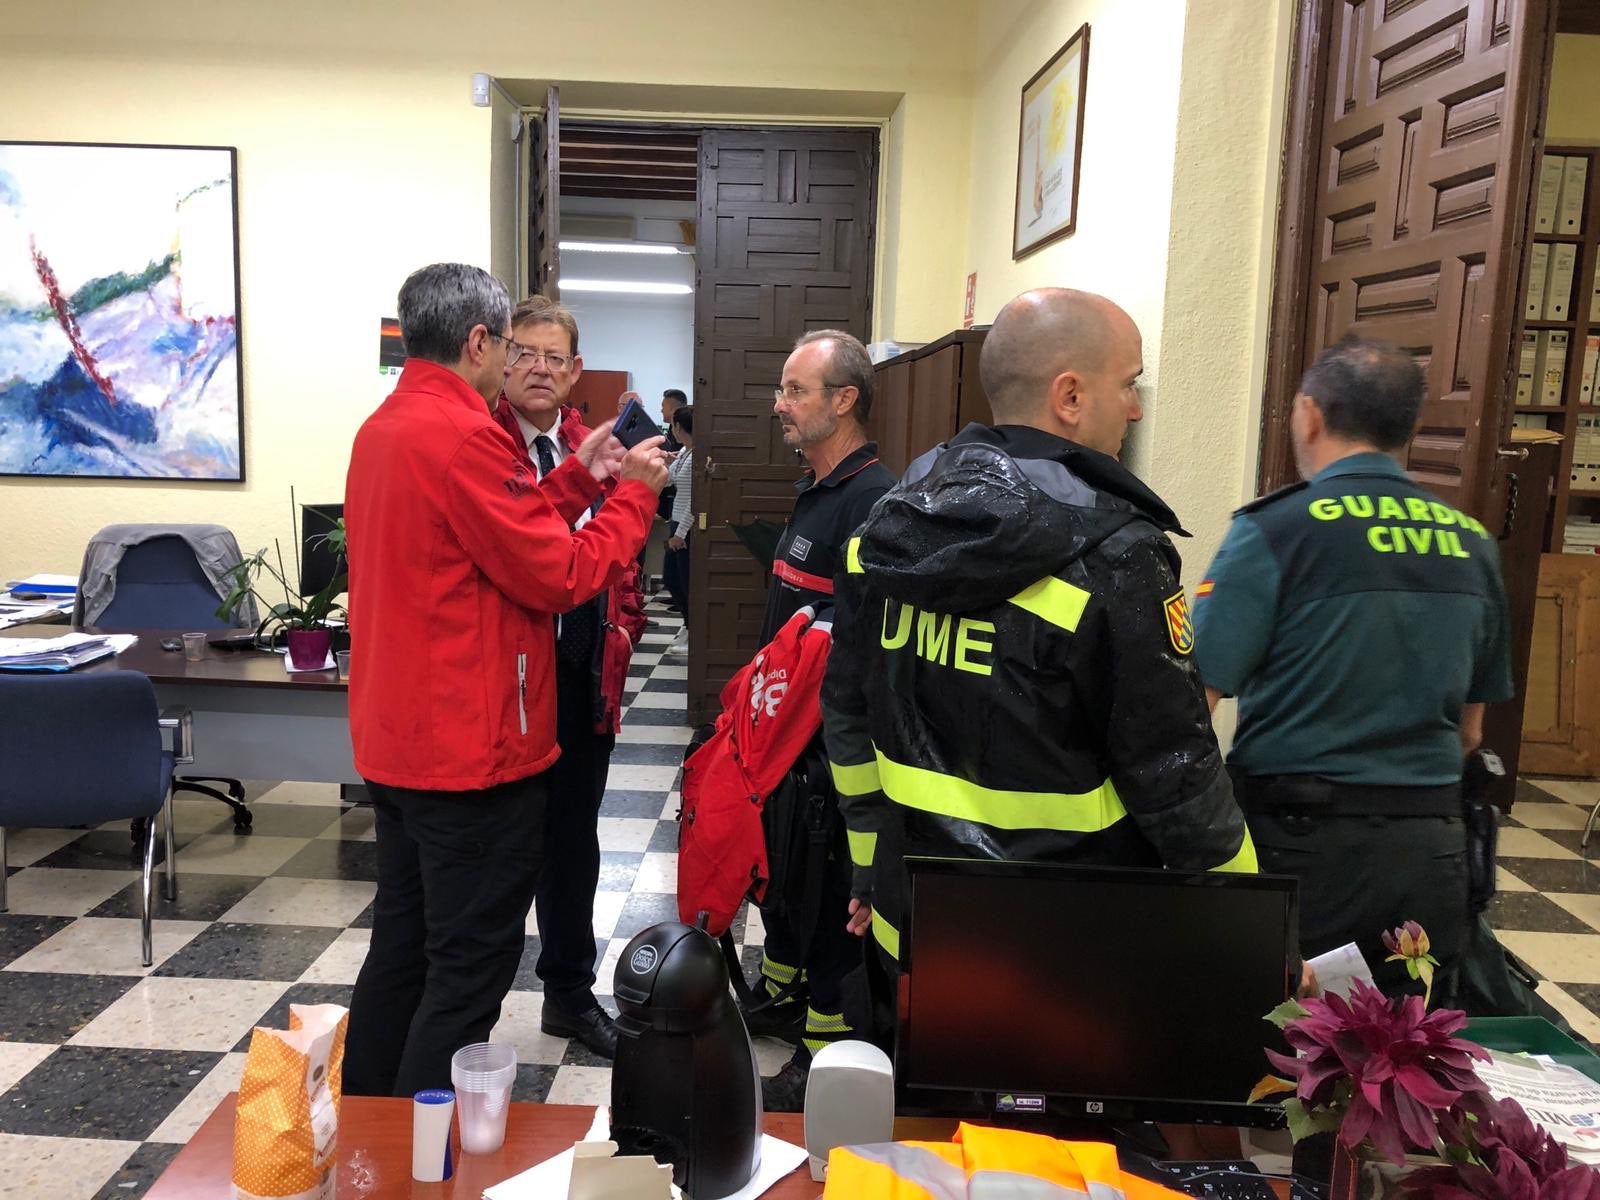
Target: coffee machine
685 1087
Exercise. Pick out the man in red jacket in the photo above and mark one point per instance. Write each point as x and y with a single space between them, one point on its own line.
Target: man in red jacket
458 562
594 643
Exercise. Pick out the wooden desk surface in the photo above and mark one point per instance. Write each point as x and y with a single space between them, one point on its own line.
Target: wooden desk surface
220 668
375 1153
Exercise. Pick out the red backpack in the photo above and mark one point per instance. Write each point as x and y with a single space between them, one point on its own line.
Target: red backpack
770 713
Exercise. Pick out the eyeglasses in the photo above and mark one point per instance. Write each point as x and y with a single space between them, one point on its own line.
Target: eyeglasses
794 391
516 353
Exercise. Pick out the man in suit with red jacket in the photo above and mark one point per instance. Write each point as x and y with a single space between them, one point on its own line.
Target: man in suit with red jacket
459 563
594 643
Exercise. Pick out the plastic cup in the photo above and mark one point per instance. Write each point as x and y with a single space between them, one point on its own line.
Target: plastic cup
483 1074
194 646
343 659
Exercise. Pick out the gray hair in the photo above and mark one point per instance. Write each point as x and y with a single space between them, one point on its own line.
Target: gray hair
848 366
440 304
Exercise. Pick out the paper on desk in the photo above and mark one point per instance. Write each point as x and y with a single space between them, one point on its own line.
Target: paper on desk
1338 969
550 1179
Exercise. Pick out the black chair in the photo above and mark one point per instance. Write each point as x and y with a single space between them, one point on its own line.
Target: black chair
159 584
83 750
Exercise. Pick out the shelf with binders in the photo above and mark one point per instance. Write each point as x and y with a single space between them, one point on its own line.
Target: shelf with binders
1558 336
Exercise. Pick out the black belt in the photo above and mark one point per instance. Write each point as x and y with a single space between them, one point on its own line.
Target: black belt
1312 795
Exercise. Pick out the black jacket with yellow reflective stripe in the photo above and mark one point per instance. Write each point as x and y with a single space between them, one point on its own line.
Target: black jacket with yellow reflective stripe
1004 683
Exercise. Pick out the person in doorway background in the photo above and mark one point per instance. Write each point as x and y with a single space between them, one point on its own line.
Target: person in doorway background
675 572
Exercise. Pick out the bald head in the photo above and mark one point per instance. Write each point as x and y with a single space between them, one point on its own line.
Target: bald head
1066 362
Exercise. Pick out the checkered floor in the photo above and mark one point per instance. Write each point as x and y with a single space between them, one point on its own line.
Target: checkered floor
106 1068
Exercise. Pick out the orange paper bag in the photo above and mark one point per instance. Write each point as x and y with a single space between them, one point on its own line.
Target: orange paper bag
286 1131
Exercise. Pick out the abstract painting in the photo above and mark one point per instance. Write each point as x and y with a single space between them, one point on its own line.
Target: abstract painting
119 312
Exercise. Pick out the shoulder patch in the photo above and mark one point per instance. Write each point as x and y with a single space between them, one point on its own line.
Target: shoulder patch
1261 502
1180 627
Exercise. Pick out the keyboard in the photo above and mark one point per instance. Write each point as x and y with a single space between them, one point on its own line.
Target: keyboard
1224 1179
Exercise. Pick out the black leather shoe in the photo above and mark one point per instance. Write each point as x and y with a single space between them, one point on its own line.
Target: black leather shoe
785 1092
594 1027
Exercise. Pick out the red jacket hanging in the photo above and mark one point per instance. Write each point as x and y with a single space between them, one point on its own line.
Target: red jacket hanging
625 619
770 713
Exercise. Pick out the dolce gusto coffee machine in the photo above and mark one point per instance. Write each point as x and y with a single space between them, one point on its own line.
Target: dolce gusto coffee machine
685 1087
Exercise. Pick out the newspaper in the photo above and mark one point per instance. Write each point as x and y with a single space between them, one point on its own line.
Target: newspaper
1565 1101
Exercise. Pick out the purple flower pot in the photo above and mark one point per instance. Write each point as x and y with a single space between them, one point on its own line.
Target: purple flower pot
308 648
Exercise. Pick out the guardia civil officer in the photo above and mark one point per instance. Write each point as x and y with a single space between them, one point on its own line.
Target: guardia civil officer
1362 624
1012 677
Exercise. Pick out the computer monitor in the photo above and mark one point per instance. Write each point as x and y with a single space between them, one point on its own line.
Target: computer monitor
1038 990
318 562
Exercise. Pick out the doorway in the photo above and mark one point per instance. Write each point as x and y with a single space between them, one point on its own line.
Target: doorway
782 243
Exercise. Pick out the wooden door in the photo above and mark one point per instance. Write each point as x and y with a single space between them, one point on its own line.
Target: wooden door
784 246
1407 182
1561 730
596 392
544 213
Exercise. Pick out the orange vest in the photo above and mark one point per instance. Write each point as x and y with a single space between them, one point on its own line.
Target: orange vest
941 1170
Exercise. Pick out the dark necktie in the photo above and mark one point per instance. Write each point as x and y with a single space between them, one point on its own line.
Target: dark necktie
545 449
575 643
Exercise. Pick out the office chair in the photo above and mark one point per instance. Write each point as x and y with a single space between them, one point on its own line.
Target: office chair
159 584
83 750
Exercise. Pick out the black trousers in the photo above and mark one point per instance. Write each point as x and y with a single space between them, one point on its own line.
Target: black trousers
565 890
1360 876
456 873
675 575
834 951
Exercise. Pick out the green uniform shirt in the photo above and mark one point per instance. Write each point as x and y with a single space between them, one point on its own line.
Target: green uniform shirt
1354 616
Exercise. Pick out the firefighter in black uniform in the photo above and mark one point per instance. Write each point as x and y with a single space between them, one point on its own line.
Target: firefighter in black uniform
1010 675
823 403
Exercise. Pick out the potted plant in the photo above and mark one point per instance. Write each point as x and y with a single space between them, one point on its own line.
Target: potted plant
303 620
1397 1089
1378 1072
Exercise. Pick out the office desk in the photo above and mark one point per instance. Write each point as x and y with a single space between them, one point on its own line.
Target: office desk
375 1152
252 719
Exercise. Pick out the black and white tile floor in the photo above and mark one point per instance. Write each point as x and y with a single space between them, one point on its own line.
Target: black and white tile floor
107 1067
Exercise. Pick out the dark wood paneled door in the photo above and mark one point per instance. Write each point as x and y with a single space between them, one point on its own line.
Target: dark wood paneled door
1406 188
784 246
1411 140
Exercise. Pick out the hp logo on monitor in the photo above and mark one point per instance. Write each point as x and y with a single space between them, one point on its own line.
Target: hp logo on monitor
1094 1106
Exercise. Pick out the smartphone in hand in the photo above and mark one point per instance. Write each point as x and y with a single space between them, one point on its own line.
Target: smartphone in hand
633 425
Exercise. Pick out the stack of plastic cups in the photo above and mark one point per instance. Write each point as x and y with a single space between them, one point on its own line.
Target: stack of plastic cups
483 1075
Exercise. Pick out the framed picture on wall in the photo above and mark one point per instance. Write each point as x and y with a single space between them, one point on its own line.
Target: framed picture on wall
119 312
1049 140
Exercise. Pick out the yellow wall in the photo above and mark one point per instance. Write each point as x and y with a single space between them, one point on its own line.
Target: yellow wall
1175 215
362 157
1574 114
